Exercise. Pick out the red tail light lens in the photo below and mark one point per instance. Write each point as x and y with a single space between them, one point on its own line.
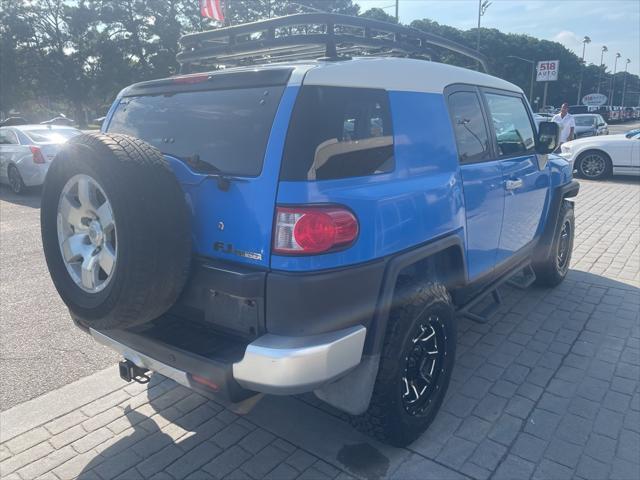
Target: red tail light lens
309 230
37 155
191 79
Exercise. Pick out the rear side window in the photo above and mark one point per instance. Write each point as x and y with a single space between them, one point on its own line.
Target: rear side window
226 129
472 138
7 137
338 132
511 122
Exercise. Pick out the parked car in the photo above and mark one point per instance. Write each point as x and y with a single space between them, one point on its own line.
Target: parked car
331 218
26 151
11 121
596 158
59 120
590 125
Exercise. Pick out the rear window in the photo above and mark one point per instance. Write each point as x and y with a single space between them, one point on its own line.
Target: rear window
338 132
226 129
585 121
51 135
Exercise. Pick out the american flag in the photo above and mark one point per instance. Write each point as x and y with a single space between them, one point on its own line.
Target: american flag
212 9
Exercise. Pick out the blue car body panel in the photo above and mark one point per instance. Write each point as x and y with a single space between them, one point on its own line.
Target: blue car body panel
524 207
484 208
417 202
236 224
428 195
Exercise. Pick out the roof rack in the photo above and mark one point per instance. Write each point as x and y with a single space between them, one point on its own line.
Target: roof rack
310 36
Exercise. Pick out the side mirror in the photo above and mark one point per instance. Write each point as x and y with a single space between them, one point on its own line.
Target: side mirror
548 137
601 124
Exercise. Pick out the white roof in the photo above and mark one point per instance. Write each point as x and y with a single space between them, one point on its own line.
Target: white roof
401 74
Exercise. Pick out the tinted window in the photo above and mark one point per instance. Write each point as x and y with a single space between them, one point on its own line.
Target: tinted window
54 135
338 133
468 123
585 121
225 128
512 125
7 137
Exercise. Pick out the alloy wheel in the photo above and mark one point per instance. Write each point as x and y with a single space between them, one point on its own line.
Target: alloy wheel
593 166
424 366
564 247
87 233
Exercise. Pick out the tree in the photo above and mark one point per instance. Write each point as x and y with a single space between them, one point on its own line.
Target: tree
379 14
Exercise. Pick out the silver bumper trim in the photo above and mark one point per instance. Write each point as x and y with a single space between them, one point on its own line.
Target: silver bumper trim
142 360
288 365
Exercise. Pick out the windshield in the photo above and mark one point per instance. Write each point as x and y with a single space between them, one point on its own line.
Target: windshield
227 129
54 135
584 121
635 133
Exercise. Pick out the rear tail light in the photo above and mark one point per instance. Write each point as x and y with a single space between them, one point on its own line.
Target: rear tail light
204 382
191 79
309 230
37 155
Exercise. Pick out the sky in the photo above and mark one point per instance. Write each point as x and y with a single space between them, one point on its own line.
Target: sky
614 23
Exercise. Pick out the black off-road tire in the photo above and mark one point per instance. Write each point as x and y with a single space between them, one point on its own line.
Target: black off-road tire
551 271
153 230
387 419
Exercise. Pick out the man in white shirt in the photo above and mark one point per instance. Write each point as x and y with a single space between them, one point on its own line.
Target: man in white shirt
566 122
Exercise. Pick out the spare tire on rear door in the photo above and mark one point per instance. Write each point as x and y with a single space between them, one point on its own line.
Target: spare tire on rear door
115 230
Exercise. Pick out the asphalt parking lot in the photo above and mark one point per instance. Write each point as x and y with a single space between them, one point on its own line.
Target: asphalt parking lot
548 389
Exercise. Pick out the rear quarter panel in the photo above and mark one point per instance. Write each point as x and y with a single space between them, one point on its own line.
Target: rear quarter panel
421 200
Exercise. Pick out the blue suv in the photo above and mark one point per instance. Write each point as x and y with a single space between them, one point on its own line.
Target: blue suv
311 226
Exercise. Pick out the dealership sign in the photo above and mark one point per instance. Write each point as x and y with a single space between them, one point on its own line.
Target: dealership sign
547 71
594 100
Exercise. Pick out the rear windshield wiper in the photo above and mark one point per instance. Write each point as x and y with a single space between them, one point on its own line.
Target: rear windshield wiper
195 162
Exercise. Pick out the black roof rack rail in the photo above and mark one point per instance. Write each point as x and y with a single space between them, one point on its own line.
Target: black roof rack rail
310 36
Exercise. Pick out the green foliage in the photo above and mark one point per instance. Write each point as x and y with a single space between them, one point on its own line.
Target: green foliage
73 56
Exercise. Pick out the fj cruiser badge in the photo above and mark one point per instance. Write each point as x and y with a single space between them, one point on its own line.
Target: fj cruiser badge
228 248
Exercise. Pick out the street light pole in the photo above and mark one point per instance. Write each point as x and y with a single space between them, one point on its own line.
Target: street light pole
604 49
624 84
533 72
482 8
613 78
585 40
397 7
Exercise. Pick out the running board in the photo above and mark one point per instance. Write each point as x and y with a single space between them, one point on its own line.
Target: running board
524 279
484 315
520 277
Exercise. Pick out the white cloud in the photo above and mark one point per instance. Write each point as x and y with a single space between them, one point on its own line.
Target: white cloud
567 38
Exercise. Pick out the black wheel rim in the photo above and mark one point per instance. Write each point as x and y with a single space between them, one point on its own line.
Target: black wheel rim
424 366
14 180
564 247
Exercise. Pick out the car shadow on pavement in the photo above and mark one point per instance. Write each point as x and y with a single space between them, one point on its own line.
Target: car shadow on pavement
548 360
29 198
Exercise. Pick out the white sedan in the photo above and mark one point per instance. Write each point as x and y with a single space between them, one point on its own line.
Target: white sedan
26 152
598 157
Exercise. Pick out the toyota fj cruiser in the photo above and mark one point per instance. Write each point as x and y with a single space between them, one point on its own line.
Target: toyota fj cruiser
307 226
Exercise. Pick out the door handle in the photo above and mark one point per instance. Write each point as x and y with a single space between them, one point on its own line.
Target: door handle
513 184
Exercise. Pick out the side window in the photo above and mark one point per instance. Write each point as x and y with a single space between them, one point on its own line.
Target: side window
472 138
7 137
338 132
511 122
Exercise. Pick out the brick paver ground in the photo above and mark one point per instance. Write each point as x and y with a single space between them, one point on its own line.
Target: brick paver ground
548 389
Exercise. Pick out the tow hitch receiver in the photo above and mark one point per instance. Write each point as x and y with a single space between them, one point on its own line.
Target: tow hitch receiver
130 371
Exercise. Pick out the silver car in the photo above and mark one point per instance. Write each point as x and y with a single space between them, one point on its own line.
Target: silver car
590 125
26 152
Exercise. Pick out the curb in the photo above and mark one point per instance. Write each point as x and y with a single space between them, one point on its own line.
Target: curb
54 404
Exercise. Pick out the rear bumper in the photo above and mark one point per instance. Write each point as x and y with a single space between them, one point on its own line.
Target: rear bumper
33 174
271 364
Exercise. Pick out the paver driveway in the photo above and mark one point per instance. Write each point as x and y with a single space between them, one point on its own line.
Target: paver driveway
548 389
